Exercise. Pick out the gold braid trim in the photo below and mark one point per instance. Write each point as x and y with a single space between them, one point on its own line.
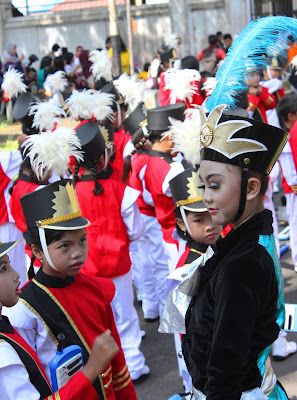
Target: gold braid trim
122 386
54 220
189 201
121 372
293 187
115 382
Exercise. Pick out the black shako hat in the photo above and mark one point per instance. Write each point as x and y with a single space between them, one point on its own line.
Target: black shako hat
6 247
134 120
240 141
111 89
108 133
54 206
91 139
185 192
21 108
168 55
158 118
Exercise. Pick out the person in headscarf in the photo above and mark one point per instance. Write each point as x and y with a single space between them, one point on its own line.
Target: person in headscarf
11 58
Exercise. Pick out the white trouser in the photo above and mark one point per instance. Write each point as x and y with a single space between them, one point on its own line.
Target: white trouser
10 233
172 254
154 267
292 218
137 265
182 368
127 323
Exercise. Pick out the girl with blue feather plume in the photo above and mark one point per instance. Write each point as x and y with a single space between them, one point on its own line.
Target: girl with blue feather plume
237 309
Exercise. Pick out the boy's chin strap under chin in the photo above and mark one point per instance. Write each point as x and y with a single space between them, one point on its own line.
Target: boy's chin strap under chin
242 200
44 247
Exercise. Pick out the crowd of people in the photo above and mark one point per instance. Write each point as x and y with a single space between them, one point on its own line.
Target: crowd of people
175 199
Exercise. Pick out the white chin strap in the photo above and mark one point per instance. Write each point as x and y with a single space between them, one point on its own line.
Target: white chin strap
184 217
106 161
269 73
119 115
44 247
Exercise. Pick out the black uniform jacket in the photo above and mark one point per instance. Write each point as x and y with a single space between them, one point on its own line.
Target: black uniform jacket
232 317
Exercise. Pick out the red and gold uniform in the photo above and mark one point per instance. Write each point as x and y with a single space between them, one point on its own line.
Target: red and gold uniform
259 104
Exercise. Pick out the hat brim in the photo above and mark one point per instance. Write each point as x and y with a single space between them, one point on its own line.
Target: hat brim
6 247
195 207
70 225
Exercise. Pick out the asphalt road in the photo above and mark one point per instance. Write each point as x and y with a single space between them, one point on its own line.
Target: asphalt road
164 380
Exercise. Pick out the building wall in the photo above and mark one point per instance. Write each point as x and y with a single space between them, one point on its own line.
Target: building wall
150 23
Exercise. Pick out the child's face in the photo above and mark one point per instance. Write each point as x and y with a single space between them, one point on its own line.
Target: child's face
221 185
67 254
203 229
254 79
9 283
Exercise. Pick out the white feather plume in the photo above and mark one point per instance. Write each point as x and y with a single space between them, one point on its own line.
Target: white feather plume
81 104
46 115
181 83
56 81
51 151
209 85
13 83
101 64
171 40
131 89
102 106
186 136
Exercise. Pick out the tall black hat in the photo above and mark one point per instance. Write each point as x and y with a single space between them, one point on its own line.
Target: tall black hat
91 139
135 119
185 191
111 89
240 141
158 118
6 247
54 206
168 55
21 110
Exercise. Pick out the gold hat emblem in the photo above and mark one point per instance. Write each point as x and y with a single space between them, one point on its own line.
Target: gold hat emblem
105 133
194 182
221 140
144 110
65 201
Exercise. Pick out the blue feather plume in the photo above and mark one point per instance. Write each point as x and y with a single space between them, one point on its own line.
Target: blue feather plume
263 36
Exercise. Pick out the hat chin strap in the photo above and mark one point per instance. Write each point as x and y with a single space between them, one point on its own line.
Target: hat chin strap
44 247
119 115
242 201
106 161
184 217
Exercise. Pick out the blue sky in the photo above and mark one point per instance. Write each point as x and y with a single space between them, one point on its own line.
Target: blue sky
35 5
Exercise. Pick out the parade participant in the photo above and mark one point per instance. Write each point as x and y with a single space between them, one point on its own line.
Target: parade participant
287 112
59 298
21 373
116 221
166 58
210 56
160 169
193 224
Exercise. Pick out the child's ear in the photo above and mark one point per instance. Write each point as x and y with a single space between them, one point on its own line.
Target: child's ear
181 224
253 188
38 253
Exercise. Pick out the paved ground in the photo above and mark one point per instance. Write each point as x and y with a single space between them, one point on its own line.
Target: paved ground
158 349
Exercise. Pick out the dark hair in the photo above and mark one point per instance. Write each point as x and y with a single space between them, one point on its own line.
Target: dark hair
31 237
68 57
286 106
122 45
59 63
55 47
146 66
205 74
180 232
25 165
64 50
93 166
219 33
139 141
45 62
190 62
227 36
263 178
212 40
155 136
108 40
29 69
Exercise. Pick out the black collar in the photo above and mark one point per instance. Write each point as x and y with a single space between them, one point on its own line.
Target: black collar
101 175
53 281
200 247
26 178
156 153
5 326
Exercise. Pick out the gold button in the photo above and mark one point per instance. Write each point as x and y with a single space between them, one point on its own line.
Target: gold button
105 386
246 161
103 375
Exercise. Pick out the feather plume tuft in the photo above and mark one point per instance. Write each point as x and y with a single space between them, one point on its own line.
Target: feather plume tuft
57 81
209 85
46 115
101 65
182 83
81 104
171 40
102 106
51 151
186 137
131 89
263 36
13 83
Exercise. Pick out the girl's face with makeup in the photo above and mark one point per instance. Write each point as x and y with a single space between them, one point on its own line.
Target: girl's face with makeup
221 185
